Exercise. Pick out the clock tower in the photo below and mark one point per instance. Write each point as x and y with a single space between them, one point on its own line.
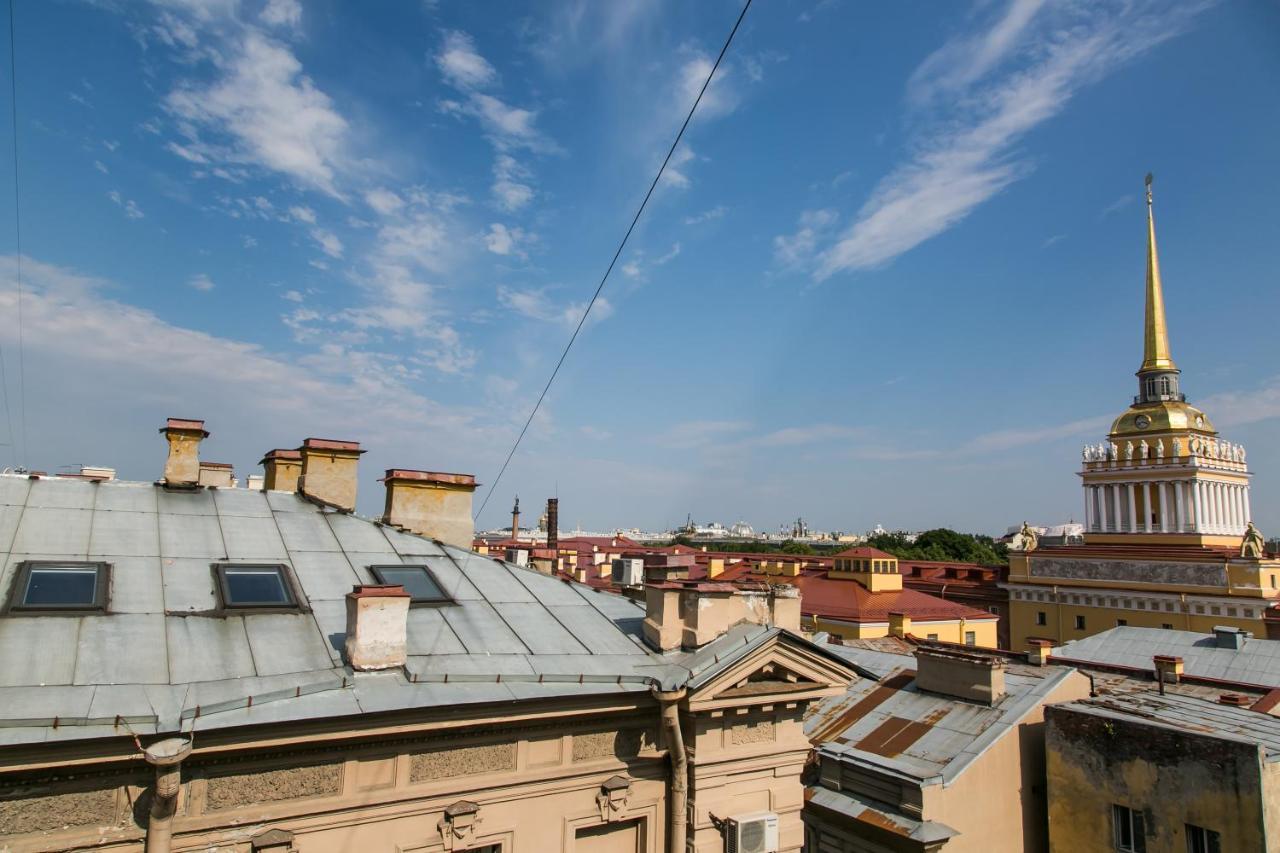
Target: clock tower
1163 476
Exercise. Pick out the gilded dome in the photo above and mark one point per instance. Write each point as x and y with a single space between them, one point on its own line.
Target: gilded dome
1167 416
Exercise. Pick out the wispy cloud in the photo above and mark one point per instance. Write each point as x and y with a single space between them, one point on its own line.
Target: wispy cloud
1236 408
981 103
535 304
501 240
201 282
461 65
128 205
1118 205
694 434
716 212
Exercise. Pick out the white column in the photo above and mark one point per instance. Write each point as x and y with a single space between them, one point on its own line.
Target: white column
1211 506
1238 494
1247 515
1179 507
1218 514
1115 507
1197 498
1232 512
1146 507
1131 490
1163 489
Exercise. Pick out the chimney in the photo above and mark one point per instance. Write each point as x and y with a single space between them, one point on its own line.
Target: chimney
707 611
1227 637
377 626
715 567
283 467
182 468
553 523
1168 669
1038 652
329 472
965 675
580 574
663 627
218 475
431 503
660 568
784 602
899 624
1238 700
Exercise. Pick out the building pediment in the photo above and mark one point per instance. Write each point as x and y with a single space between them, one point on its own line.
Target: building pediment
784 668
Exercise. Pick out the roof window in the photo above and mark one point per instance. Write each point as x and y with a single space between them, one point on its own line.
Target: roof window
419 581
255 586
53 587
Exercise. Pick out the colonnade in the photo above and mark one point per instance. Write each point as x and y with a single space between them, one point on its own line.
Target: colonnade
1167 506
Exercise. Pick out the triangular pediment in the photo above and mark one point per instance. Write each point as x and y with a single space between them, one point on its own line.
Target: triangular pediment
785 668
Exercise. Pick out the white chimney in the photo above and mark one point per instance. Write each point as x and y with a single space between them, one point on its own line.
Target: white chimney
377 626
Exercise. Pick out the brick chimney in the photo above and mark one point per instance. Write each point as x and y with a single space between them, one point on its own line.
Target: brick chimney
431 503
283 468
329 472
553 523
377 626
899 624
182 468
1168 669
1038 651
690 615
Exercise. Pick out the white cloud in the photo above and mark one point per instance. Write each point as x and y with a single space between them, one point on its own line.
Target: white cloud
970 156
128 205
262 110
694 434
534 304
502 240
383 200
292 296
716 212
674 174
282 13
1236 408
794 251
508 183
248 241
720 99
328 242
201 282
461 65
101 167
302 214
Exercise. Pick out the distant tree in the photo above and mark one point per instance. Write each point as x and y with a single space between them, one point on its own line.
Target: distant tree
943 545
791 547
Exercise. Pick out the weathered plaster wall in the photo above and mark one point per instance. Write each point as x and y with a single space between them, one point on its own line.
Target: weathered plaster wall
1172 777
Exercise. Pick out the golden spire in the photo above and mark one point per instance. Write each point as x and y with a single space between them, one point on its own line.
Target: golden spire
1155 338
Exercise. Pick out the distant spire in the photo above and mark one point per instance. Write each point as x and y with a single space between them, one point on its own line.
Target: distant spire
1155 337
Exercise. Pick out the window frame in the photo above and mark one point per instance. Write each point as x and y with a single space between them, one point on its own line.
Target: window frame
14 605
1202 840
1080 622
445 598
1135 820
297 603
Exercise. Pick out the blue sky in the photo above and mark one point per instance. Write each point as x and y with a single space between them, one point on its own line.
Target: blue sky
894 275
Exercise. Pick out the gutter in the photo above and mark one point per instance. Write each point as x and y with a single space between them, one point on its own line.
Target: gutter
678 804
166 757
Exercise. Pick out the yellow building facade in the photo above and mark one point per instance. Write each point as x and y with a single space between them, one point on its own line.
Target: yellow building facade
1169 541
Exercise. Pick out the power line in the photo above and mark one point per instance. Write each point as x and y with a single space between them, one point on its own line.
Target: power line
17 227
621 246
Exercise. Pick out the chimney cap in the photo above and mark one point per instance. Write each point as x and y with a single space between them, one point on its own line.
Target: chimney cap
331 444
220 465
430 477
377 590
185 425
281 453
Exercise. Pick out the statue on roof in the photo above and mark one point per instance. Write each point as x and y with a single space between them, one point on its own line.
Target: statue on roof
1252 545
1025 539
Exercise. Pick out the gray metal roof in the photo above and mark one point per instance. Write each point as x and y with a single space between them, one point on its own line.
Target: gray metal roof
1189 714
955 731
1258 662
160 661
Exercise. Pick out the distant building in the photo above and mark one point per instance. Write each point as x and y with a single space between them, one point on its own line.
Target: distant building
1168 540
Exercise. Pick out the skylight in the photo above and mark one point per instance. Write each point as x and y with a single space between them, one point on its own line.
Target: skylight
418 581
50 586
254 586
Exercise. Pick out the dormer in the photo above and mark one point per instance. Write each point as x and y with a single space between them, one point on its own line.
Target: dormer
871 567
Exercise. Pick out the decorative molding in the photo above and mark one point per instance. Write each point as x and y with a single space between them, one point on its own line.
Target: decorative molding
269 786
612 798
459 824
462 761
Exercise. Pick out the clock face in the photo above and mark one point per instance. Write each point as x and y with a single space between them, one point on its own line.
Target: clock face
1142 421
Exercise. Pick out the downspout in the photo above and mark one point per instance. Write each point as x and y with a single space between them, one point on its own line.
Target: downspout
677 806
166 757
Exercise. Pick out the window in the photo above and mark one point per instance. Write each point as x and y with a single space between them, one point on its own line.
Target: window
1201 840
1079 623
1168 626
931 637
1122 622
1128 830
1215 610
970 638
58 587
418 581
1273 581
255 586
1042 618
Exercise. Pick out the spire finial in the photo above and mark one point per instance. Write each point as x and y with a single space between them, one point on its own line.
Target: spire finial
1155 339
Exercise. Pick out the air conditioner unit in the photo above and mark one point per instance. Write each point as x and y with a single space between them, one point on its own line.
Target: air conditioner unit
756 832
628 571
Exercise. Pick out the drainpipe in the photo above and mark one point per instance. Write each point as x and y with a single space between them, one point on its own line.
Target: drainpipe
677 807
166 757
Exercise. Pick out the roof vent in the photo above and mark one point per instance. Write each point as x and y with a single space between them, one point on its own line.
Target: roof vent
965 675
1227 637
1238 700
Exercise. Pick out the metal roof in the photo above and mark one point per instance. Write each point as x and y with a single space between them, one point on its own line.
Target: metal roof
160 660
1257 663
1189 715
894 727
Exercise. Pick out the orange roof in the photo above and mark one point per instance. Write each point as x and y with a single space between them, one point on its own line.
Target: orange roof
865 552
